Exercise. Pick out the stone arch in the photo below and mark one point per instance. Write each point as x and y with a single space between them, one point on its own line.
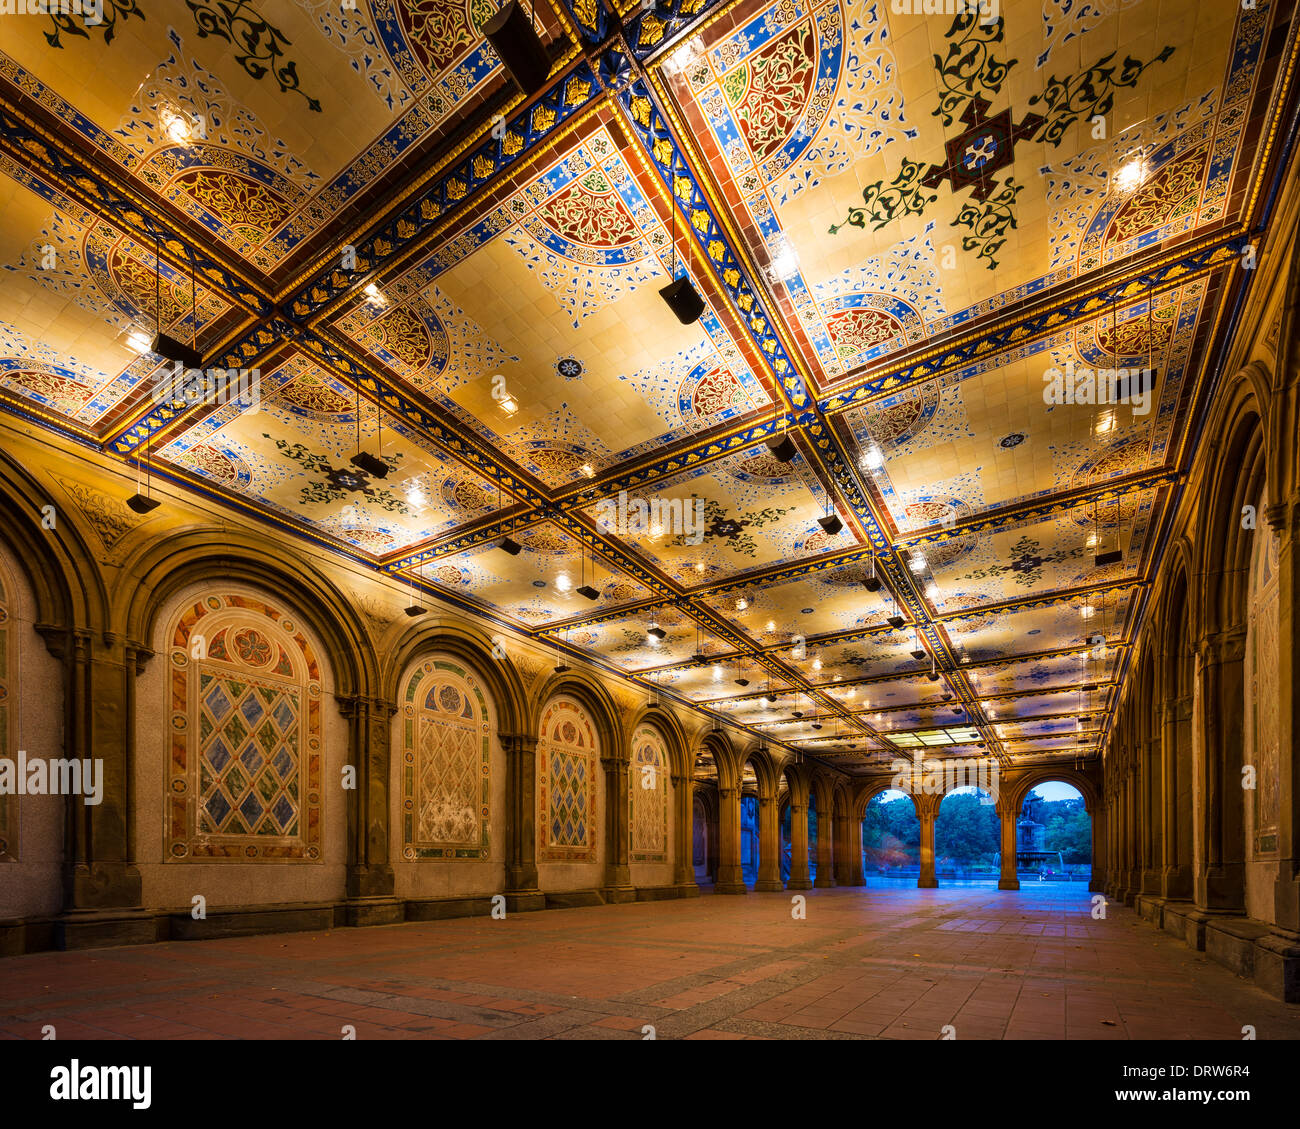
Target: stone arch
1033 777
211 556
674 735
595 699
1238 457
57 563
472 647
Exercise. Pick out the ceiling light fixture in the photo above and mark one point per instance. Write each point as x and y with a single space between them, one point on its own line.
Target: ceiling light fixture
871 582
682 297
1131 175
142 503
414 609
164 344
519 47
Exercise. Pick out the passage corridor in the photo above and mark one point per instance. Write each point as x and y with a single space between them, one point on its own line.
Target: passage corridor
894 964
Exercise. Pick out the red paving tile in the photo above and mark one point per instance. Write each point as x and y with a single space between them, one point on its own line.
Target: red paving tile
867 963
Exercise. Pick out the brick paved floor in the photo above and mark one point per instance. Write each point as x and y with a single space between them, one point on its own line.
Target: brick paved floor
893 964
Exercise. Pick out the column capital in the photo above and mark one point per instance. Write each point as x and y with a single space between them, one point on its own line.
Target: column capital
1221 647
353 705
518 742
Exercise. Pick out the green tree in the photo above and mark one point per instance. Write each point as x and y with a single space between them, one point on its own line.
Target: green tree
966 831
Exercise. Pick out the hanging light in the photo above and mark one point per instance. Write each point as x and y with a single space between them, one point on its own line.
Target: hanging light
519 47
682 297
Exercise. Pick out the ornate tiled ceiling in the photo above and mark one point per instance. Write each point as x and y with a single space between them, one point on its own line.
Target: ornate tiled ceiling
898 224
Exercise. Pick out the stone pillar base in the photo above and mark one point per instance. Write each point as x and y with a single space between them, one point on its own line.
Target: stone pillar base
824 884
374 911
769 886
689 890
619 895
1008 883
799 884
927 883
730 888
101 929
521 901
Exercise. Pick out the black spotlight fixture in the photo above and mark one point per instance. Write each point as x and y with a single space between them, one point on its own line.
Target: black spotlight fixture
947 697
682 297
371 464
510 545
142 503
742 681
918 655
796 713
586 589
518 46
658 632
770 699
415 610
164 344
1088 687
561 668
831 524
699 658
933 676
816 725
782 448
1110 558
167 346
895 620
871 582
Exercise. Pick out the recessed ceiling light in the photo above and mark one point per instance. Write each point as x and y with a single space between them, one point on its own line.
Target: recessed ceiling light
562 582
1131 175
916 563
1087 611
741 604
374 294
932 591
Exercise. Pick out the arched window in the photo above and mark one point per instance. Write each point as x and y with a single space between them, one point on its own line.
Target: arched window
566 783
446 771
8 679
648 785
244 779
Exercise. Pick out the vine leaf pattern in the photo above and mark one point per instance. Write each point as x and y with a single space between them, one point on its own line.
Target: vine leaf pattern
261 44
338 482
990 222
970 68
733 530
113 10
881 204
970 76
1087 95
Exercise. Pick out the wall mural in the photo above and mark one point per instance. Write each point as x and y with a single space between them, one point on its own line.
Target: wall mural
648 785
446 771
567 763
244 778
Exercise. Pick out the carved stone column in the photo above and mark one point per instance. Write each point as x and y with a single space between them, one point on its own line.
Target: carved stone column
842 876
370 882
102 886
1007 878
618 874
853 853
684 836
769 845
799 873
521 822
1220 883
825 848
730 878
927 880
1176 869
